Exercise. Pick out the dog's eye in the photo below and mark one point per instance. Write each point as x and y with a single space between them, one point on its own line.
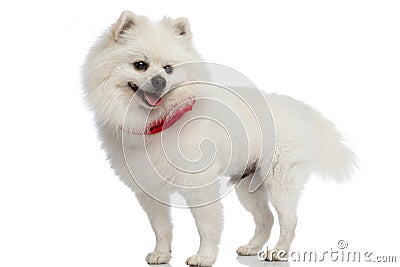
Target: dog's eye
141 65
169 69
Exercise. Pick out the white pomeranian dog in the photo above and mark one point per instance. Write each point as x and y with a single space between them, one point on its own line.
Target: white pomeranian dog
168 129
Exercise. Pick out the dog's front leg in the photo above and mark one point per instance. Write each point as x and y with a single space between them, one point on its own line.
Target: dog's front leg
160 220
209 221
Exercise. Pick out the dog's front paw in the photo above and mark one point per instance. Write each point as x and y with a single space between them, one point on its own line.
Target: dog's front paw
247 250
157 257
200 260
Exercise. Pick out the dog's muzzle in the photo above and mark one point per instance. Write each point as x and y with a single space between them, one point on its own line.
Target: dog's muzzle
151 92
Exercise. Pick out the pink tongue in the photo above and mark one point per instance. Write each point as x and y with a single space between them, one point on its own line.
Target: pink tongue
152 100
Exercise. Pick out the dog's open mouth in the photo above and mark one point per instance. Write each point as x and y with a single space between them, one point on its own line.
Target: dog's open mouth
149 98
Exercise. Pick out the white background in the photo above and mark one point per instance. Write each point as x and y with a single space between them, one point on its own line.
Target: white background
61 205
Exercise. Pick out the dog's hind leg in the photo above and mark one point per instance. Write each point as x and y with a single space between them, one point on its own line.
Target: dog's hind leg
284 188
257 204
160 219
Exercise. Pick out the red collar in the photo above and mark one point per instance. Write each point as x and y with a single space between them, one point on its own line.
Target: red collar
158 126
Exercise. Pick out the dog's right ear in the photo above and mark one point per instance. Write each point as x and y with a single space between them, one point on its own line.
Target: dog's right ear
125 22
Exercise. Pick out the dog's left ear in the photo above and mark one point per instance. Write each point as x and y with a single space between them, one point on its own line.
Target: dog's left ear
125 22
182 27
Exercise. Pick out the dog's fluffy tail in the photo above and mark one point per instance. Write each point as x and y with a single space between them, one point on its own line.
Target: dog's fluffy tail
334 161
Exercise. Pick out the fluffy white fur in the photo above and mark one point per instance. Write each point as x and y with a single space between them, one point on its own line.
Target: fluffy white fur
306 142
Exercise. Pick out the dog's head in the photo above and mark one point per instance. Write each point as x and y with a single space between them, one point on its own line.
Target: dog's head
130 73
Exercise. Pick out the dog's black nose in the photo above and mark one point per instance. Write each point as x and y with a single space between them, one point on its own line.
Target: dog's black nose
158 82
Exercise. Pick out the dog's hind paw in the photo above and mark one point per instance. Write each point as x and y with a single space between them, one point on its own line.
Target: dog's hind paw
247 250
157 257
200 260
